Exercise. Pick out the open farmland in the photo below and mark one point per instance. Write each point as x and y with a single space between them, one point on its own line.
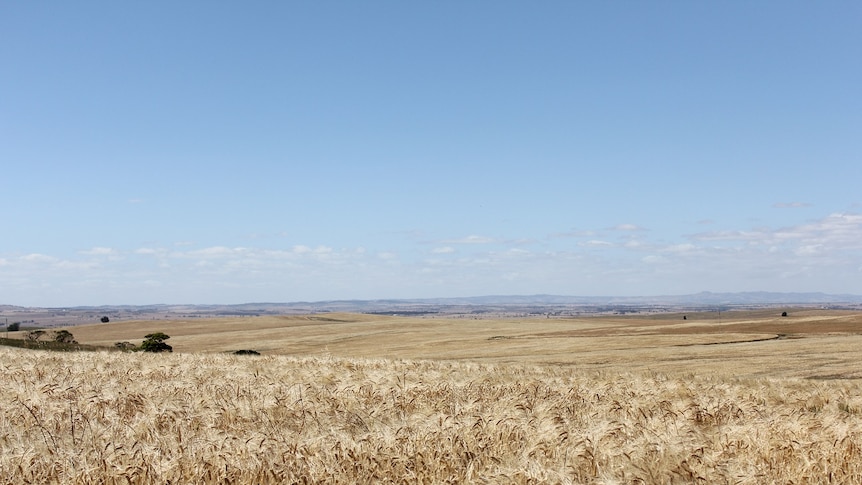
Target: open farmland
807 343
341 398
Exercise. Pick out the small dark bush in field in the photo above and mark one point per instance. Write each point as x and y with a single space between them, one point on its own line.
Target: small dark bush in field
247 352
64 336
105 319
783 314
34 335
14 327
155 342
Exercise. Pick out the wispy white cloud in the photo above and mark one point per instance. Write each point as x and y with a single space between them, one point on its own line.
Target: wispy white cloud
818 255
473 239
834 232
300 249
680 248
733 235
99 251
596 243
654 259
38 258
572 234
626 227
216 252
790 205
808 250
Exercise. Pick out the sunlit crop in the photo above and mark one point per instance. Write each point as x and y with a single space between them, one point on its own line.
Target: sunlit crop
204 418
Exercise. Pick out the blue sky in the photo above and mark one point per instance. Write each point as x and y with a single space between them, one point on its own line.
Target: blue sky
219 152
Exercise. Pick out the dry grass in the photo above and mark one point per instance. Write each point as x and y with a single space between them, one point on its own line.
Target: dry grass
814 342
391 400
195 418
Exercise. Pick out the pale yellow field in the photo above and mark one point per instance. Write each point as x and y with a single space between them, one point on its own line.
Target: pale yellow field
814 343
368 399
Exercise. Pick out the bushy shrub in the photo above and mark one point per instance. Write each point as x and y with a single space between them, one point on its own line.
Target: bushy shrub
34 335
247 352
64 336
155 342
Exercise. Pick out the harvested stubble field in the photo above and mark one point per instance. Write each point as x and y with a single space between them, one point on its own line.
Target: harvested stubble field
431 409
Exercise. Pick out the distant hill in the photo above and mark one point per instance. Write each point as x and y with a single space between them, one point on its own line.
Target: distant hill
765 298
702 298
697 299
490 303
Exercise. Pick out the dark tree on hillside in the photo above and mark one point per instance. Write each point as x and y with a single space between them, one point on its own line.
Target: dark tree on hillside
34 335
155 342
64 336
14 327
105 319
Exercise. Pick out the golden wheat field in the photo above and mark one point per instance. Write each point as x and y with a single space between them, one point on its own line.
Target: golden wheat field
753 399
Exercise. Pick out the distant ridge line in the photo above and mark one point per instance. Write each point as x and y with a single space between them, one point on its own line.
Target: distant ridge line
704 298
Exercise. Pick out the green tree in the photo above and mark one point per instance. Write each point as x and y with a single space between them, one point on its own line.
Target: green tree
155 342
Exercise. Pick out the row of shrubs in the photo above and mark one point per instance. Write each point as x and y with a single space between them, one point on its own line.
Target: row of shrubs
154 342
48 345
64 340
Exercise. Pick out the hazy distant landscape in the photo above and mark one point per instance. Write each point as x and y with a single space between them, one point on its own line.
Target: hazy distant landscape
473 307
